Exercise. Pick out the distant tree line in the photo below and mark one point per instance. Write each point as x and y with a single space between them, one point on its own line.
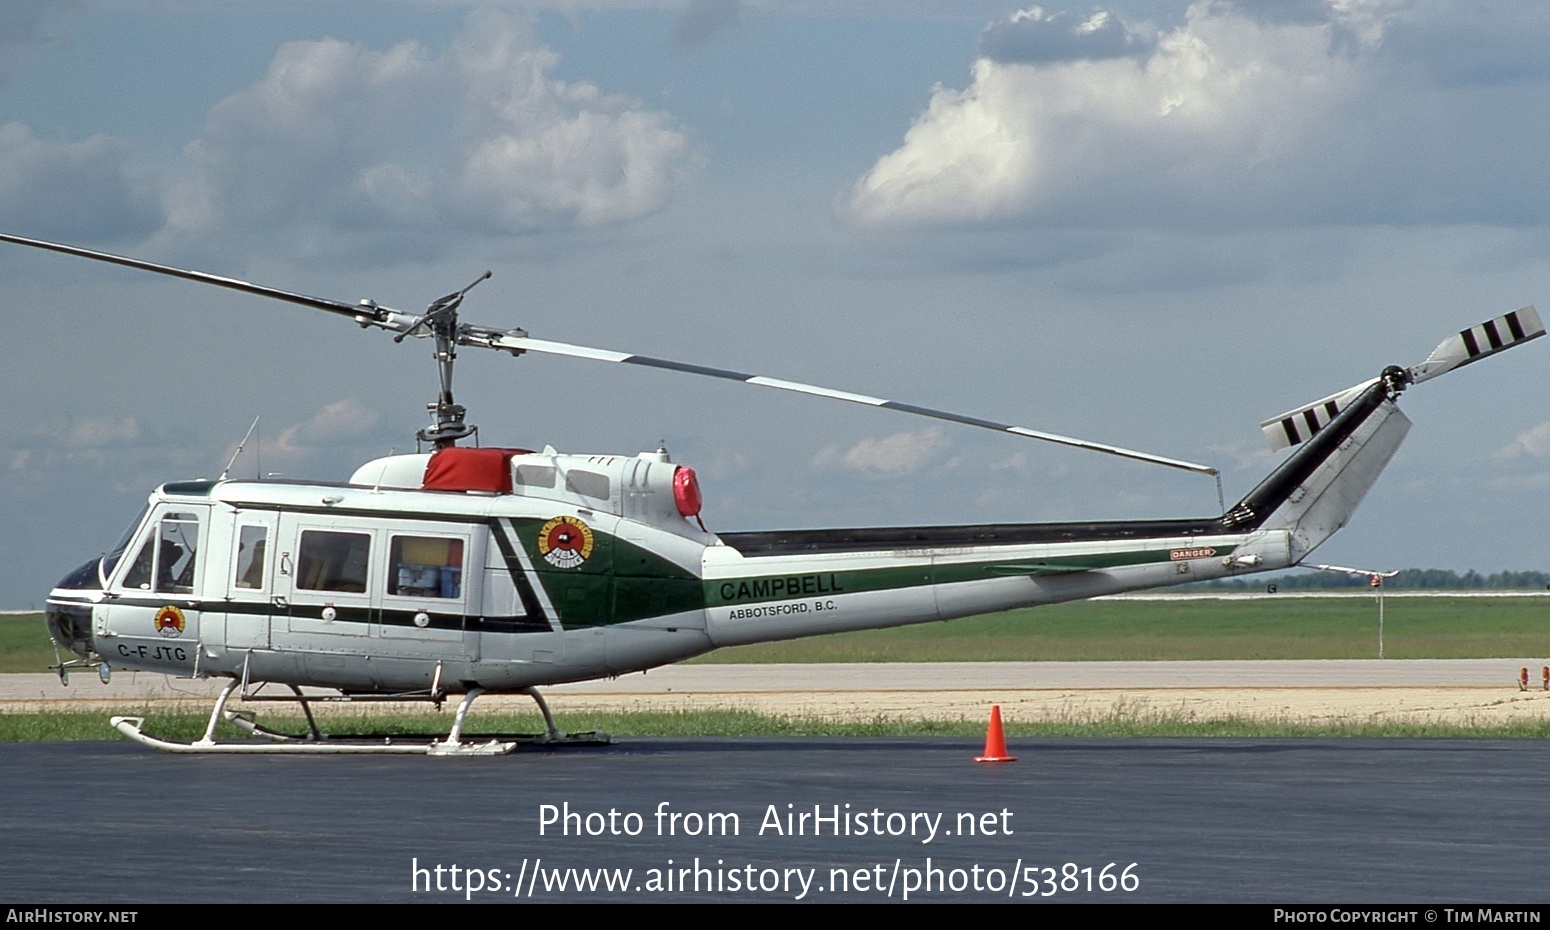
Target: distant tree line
1408 578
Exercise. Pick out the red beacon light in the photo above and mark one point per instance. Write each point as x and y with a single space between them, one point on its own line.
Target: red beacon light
686 491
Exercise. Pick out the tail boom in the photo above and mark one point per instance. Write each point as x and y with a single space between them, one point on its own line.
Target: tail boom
782 585
758 597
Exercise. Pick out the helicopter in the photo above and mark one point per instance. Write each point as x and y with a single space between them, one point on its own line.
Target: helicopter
470 570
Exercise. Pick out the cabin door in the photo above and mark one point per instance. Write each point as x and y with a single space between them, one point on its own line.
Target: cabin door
153 613
325 577
250 592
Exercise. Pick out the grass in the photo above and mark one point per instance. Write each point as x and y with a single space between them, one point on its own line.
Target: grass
24 644
1286 627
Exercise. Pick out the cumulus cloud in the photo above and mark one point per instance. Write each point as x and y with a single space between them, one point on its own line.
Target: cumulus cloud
1533 442
1244 113
1016 463
73 189
1033 35
355 144
340 420
131 455
888 456
120 446
93 433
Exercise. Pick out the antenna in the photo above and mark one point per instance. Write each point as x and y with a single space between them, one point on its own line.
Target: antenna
240 446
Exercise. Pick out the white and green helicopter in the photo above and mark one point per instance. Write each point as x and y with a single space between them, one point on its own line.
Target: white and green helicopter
466 571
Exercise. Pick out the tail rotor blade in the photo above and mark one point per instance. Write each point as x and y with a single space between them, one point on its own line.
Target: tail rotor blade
1476 342
1466 346
1299 425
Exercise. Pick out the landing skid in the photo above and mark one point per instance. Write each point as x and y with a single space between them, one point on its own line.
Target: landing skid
316 741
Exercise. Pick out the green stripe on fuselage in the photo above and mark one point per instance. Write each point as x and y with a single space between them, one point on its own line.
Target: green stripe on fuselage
790 586
618 582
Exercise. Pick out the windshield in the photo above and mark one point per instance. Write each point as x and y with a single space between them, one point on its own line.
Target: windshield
110 560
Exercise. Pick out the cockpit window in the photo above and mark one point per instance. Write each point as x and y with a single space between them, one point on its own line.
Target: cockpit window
139 574
169 556
177 551
110 561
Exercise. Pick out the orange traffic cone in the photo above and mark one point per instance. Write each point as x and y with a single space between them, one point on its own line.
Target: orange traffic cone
995 740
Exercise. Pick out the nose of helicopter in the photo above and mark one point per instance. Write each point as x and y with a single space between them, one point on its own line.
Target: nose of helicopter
69 611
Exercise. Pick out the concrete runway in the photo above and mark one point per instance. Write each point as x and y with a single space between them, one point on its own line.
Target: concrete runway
1184 820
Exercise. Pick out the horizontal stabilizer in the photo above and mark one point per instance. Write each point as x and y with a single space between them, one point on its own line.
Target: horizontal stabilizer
1043 568
1373 574
1477 342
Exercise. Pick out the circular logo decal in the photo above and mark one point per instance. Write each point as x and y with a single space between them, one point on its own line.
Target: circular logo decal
565 542
169 622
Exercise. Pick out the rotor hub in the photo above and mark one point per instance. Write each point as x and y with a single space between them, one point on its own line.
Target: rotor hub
447 425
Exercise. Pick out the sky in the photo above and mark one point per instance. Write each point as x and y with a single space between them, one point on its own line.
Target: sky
1152 224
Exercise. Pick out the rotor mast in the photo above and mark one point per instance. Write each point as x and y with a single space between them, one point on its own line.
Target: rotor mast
440 319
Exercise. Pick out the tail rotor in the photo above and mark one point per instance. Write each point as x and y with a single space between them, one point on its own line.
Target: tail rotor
1460 349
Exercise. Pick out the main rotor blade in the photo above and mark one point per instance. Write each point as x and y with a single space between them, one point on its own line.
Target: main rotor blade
369 310
516 343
